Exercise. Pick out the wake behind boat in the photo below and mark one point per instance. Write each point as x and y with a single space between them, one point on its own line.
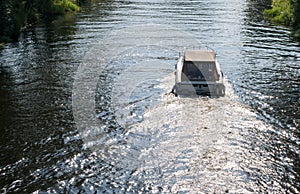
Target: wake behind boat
199 73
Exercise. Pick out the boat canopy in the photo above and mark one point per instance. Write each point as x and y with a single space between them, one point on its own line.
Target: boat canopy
199 55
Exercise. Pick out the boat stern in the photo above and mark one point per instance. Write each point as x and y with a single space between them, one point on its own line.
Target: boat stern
205 89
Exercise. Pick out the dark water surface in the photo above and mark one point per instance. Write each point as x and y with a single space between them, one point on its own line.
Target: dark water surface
84 103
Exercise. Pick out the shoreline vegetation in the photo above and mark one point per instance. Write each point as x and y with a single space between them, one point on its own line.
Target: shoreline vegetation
287 13
17 14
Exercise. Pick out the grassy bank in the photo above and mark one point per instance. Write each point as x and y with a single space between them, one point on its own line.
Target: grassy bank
16 14
287 13
61 7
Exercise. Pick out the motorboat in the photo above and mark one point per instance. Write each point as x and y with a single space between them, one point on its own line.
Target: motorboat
198 73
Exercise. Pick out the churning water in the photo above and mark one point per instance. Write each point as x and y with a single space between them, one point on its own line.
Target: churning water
86 103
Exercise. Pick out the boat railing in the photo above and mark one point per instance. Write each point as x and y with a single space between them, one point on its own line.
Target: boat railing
198 47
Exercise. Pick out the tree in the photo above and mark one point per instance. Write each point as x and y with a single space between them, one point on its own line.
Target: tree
285 12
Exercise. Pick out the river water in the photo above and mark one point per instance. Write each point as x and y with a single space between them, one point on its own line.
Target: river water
86 108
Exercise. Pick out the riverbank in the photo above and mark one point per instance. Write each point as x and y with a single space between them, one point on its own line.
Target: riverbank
16 15
287 13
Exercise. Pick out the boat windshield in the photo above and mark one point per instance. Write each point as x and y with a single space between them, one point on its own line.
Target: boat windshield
199 71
